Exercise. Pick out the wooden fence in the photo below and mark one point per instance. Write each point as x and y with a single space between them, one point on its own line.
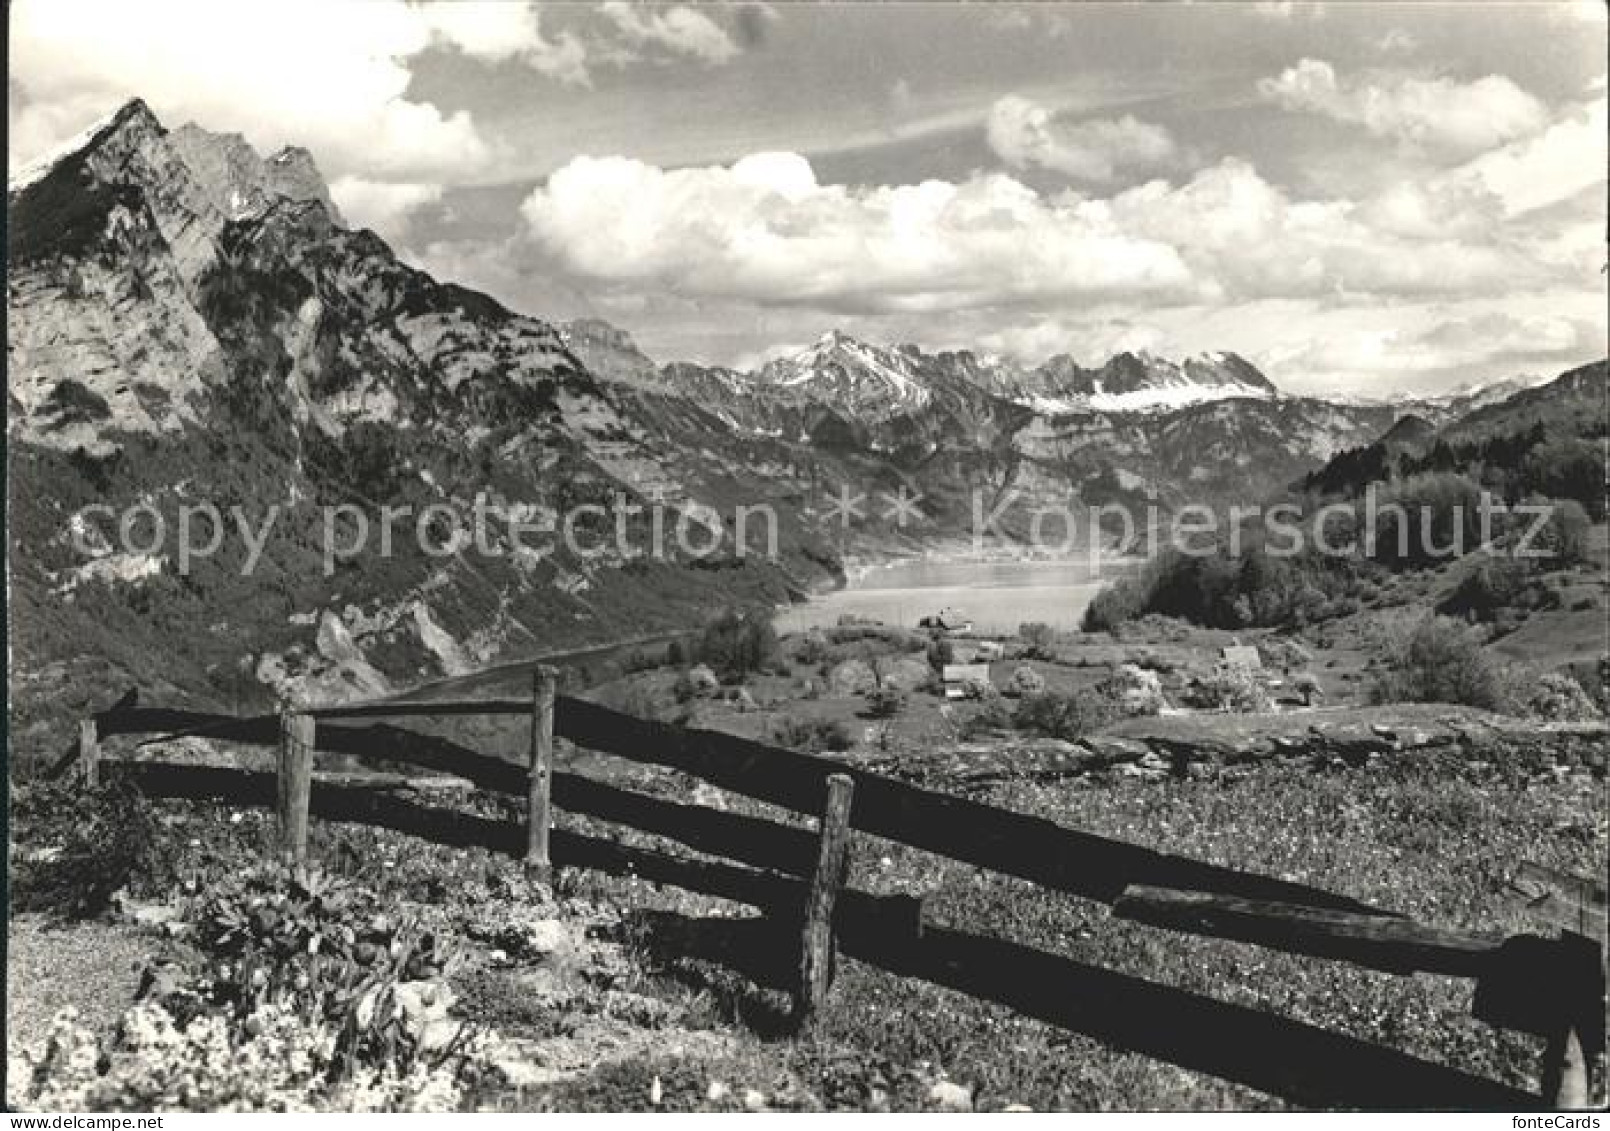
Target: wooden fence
1549 986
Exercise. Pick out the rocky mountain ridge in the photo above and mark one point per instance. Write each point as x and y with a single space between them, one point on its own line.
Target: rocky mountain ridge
194 324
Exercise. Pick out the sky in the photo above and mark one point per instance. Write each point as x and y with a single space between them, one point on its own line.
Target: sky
1361 198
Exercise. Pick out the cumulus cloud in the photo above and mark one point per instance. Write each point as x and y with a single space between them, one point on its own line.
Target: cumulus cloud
1560 163
679 30
381 205
1024 135
494 31
765 230
1492 343
1567 157
332 77
1440 114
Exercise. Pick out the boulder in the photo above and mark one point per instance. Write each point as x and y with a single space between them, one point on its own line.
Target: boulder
948 1096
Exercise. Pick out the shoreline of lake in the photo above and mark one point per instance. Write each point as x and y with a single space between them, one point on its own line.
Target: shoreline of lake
996 592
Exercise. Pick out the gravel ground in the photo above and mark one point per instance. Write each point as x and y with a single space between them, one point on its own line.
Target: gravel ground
94 967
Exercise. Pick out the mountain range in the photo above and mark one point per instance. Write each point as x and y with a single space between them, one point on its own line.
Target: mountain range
193 323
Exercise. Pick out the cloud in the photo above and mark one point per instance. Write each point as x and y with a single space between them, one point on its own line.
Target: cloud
1490 343
1094 341
1023 134
752 23
335 78
1592 13
1567 157
1440 114
1050 20
765 230
1396 40
495 32
381 205
679 30
1288 9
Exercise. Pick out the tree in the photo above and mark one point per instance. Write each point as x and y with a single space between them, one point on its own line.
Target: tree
1441 661
1038 640
1565 536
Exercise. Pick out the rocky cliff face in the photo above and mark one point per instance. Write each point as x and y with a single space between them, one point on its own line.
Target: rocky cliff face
193 326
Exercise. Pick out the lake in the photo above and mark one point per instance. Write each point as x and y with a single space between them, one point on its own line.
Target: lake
996 596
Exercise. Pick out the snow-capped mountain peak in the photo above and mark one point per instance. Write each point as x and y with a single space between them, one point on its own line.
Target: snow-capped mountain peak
867 379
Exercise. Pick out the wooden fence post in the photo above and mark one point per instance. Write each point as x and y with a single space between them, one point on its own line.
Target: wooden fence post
1571 990
832 866
1565 1070
89 751
1579 1036
538 817
297 737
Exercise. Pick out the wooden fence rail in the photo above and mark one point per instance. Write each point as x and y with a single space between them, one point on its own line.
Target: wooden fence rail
1016 844
1553 987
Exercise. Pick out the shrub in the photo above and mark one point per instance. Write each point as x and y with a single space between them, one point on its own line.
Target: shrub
882 637
979 689
885 702
992 716
940 653
1495 584
305 993
1026 681
1038 640
1307 685
1068 717
852 677
1221 590
1135 691
1440 661
1283 653
1231 687
1113 605
92 843
639 660
736 645
1426 518
812 735
811 648
696 681
1151 661
1560 698
1564 536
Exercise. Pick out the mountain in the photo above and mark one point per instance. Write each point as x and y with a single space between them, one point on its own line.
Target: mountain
200 343
609 352
868 382
1573 402
1211 429
1540 439
874 382
194 327
1140 382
